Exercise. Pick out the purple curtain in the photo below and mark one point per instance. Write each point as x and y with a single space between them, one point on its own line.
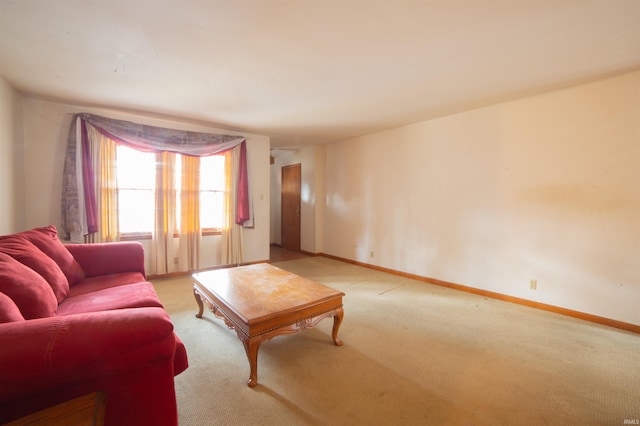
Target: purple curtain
91 206
144 138
242 207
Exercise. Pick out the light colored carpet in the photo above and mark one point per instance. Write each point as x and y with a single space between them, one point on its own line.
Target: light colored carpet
413 354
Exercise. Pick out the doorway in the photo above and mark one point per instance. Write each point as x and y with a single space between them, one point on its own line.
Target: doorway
290 207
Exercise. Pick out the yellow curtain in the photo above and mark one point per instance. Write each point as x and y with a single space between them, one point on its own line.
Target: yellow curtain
231 250
103 154
189 241
163 259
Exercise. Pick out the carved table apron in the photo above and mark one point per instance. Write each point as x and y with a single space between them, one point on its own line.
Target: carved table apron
262 301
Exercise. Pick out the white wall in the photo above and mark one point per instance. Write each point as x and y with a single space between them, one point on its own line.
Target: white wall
46 126
321 195
545 188
11 160
311 193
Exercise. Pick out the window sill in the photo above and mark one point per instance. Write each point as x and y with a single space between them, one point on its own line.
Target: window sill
138 236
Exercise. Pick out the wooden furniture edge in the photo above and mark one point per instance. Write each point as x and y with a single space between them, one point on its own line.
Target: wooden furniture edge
633 328
87 409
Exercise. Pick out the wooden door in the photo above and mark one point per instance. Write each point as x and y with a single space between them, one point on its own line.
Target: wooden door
290 208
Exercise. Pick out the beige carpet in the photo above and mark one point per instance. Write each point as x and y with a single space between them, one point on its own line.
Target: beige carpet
413 354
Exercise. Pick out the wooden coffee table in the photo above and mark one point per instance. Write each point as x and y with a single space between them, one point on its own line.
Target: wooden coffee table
262 301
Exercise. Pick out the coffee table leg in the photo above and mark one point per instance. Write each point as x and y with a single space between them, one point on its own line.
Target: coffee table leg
251 347
199 302
337 320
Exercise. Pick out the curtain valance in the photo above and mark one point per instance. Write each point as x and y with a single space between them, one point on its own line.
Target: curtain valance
156 139
78 197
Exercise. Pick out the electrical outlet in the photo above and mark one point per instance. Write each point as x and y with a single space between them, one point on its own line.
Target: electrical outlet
533 284
371 254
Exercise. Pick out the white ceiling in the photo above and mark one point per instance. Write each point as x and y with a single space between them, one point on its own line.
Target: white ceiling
314 71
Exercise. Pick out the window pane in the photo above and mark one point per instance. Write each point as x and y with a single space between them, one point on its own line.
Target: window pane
135 210
212 173
136 181
135 169
211 209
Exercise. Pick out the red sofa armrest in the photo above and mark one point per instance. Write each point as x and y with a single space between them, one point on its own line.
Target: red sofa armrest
109 258
127 353
46 353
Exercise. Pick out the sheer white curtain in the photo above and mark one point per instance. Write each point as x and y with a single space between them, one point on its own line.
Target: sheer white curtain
163 252
190 230
103 156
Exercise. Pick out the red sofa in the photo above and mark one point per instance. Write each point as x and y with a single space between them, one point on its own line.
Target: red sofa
81 318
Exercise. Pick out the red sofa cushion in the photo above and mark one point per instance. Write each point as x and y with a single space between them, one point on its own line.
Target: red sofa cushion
140 295
9 311
91 284
46 239
25 252
28 290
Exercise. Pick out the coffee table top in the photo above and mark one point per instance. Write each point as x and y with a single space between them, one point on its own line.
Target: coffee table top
258 292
